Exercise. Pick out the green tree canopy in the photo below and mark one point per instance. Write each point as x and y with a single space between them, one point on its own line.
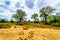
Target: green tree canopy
45 11
51 18
19 16
35 17
58 16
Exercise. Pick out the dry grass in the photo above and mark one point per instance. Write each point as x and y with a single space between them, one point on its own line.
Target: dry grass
21 33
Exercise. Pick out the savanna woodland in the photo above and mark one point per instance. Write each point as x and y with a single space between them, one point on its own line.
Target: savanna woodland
44 25
46 17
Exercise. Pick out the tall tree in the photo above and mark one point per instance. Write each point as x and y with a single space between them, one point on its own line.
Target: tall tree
19 16
35 17
45 11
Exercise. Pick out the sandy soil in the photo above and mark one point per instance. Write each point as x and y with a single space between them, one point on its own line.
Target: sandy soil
29 34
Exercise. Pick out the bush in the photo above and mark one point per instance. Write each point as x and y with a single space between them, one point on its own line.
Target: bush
55 24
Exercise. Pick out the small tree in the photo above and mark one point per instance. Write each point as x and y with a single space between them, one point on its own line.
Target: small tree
3 20
35 17
19 16
11 21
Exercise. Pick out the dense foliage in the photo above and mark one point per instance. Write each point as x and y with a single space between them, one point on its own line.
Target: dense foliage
54 20
19 16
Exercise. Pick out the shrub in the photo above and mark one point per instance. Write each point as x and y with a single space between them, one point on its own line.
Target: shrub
55 24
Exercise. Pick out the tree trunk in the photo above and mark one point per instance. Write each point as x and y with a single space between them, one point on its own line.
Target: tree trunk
45 19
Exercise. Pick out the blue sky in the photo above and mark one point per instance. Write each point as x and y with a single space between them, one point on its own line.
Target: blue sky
9 7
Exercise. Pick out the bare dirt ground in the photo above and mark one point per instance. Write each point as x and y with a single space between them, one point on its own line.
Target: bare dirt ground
29 34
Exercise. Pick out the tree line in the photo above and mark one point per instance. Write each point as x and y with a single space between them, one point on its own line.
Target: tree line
44 12
46 16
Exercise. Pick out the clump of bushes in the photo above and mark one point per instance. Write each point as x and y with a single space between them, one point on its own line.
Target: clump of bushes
54 20
55 24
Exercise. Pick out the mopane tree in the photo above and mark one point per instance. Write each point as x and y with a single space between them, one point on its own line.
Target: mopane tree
19 16
45 11
35 17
